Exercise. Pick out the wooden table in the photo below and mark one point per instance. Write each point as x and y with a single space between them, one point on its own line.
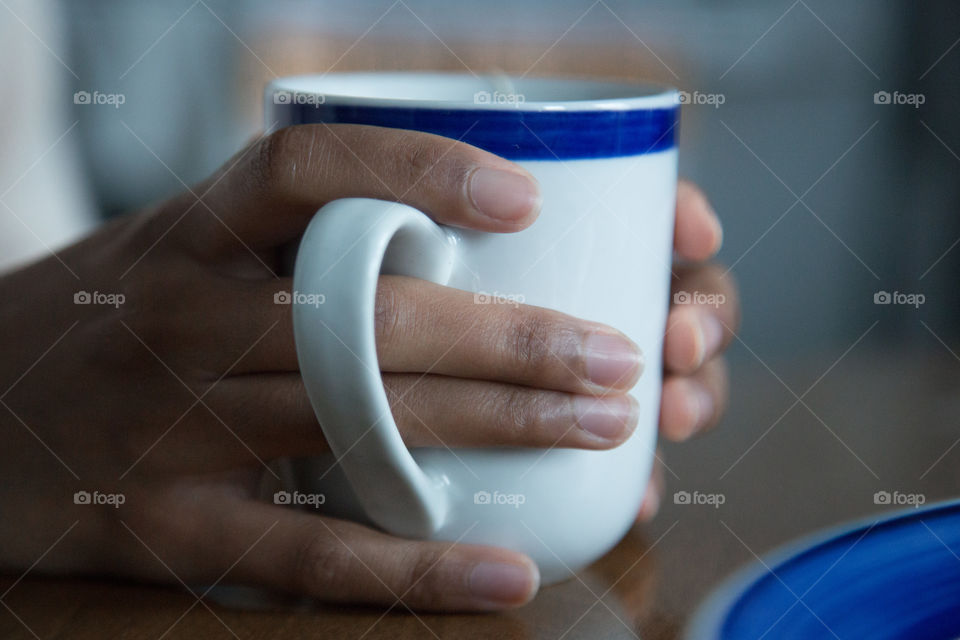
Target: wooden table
873 422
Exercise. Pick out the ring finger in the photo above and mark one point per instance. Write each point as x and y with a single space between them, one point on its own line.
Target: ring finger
271 416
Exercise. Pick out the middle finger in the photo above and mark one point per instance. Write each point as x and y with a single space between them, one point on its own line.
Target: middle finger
422 327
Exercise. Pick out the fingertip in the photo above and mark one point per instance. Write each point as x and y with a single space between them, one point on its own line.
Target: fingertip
611 360
609 420
699 233
685 346
502 584
510 199
701 239
710 236
685 406
695 336
711 328
717 243
651 504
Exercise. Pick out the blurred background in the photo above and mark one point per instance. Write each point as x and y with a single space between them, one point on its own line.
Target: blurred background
825 133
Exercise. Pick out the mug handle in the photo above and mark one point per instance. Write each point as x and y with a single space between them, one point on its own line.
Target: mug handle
346 246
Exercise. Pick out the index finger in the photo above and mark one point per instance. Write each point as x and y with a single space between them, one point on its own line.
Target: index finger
266 194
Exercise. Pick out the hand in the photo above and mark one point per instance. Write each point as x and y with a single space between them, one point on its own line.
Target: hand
704 314
177 379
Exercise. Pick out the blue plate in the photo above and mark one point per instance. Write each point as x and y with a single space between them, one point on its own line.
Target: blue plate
889 578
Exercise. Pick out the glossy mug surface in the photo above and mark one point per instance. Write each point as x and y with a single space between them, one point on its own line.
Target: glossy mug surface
606 160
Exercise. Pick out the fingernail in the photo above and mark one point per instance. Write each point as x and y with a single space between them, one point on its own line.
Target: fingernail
699 405
607 418
717 229
503 195
503 583
711 334
612 360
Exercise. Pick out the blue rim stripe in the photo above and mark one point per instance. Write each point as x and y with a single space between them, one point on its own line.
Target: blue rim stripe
513 134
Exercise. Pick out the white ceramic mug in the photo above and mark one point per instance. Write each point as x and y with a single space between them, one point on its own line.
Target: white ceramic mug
605 157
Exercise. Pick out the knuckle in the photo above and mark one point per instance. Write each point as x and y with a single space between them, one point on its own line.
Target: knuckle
427 163
419 154
394 389
263 161
414 578
522 419
531 343
387 312
320 566
274 162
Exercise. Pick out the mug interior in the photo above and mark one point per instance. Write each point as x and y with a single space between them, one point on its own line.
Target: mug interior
464 90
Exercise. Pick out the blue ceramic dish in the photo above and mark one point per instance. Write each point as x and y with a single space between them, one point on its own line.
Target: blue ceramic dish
892 577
